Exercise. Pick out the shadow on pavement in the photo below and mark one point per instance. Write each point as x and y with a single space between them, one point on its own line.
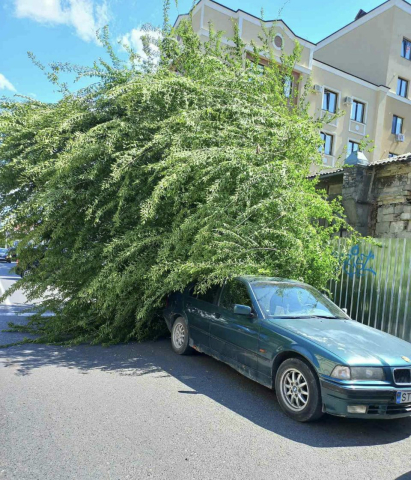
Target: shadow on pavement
202 375
16 314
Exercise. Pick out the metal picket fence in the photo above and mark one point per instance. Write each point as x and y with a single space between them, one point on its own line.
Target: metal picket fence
375 284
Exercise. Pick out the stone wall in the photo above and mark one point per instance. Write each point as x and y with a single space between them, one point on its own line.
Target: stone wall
376 197
355 197
392 196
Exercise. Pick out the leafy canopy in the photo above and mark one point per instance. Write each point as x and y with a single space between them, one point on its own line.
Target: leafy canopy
186 165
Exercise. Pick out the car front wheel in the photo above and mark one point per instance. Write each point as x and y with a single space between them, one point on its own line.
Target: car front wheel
298 391
180 338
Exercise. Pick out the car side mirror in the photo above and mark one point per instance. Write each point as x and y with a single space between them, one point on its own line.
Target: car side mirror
242 310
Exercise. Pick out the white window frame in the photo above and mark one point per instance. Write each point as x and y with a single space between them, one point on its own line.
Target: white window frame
353 140
288 86
402 124
332 135
354 122
356 100
337 103
407 89
402 41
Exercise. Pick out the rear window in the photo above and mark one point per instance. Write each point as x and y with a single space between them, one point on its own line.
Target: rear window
209 296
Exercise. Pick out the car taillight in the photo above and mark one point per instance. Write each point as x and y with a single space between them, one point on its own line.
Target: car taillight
17 261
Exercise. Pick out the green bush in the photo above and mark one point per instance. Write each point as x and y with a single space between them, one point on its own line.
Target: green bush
187 166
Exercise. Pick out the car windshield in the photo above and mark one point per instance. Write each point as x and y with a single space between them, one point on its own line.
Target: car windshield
285 300
3 251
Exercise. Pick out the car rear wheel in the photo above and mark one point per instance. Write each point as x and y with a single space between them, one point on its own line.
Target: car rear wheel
298 391
180 337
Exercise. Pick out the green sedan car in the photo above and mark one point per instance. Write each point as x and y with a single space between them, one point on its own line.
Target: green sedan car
289 337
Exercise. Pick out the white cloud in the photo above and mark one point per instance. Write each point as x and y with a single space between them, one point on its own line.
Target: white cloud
5 84
40 10
133 40
85 16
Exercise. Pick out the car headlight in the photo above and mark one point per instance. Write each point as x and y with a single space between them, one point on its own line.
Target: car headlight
341 372
358 373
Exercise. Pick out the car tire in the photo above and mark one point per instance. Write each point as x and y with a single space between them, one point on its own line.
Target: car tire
298 391
180 337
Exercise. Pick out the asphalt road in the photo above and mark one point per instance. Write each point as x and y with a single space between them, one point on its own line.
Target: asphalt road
140 411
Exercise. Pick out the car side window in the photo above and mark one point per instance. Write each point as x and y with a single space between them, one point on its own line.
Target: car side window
235 293
209 296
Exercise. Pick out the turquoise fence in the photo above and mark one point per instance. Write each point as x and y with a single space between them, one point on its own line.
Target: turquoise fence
375 284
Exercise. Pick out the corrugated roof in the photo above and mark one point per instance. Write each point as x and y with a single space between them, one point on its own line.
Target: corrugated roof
324 173
406 157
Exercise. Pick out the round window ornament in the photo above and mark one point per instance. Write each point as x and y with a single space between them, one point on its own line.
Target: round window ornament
278 41
357 127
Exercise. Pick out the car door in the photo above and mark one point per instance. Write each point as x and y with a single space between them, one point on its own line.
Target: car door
234 337
200 308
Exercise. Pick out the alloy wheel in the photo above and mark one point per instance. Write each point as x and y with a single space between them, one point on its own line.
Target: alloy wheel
294 389
178 335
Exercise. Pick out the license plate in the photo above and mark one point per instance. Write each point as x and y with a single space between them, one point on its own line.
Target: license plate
403 397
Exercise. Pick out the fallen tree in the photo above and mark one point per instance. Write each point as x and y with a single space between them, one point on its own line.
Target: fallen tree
189 165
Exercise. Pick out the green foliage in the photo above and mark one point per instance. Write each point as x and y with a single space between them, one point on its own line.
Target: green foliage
188 165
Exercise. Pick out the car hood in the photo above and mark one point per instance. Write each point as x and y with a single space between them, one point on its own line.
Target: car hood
353 342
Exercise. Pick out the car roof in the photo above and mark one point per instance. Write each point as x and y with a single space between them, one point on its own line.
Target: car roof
257 278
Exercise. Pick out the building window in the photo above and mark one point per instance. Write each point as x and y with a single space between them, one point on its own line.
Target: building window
353 147
396 124
261 69
288 86
278 41
327 147
390 155
402 87
357 111
406 49
330 101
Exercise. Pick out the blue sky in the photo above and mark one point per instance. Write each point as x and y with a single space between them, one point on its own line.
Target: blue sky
63 30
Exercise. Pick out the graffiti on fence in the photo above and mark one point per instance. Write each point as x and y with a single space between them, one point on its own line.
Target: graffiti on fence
355 263
374 283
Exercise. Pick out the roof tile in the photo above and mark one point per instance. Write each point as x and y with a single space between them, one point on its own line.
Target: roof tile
406 157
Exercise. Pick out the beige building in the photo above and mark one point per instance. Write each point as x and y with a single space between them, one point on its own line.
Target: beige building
363 70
